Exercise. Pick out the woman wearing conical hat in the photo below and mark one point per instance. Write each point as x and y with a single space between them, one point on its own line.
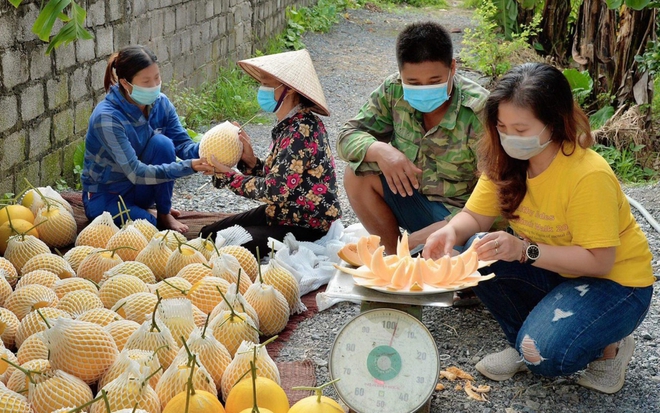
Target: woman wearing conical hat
296 181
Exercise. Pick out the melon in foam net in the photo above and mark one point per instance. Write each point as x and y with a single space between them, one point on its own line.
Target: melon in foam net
222 141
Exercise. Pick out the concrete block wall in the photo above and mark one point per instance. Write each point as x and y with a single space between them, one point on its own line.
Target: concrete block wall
46 100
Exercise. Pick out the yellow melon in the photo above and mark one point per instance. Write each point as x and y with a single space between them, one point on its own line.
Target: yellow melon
199 316
146 228
271 307
100 316
21 248
222 141
77 254
212 354
121 330
270 396
5 287
120 286
8 327
203 245
29 298
6 369
232 328
83 349
34 322
33 348
98 232
78 302
13 402
19 382
97 263
41 277
182 256
155 256
238 302
9 272
14 212
129 237
266 367
198 402
175 379
129 391
136 307
177 315
17 226
245 258
36 198
279 277
56 390
146 360
51 262
227 266
195 272
205 293
172 238
57 226
154 336
136 268
174 287
62 287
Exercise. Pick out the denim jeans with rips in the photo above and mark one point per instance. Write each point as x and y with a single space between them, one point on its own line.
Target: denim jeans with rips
569 320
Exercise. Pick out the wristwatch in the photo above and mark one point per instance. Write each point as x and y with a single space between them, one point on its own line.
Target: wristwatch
532 252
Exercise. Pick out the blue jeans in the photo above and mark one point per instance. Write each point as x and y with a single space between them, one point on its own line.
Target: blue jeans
413 212
571 320
138 198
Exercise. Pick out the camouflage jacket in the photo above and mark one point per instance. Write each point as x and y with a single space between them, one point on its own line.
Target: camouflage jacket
446 153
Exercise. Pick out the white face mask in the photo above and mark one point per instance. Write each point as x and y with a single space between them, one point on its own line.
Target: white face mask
523 147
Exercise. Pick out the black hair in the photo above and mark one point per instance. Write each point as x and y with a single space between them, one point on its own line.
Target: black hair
424 42
126 63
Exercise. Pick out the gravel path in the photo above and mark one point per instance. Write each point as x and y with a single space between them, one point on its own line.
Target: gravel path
351 61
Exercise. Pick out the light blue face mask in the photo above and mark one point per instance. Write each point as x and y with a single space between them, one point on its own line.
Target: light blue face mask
145 95
426 98
266 98
523 147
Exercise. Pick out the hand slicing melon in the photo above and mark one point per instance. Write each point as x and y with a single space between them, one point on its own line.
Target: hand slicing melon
402 272
222 142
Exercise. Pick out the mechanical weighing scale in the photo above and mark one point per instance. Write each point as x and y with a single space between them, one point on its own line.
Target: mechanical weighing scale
386 358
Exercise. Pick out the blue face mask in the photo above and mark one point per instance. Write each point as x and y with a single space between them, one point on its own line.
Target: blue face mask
145 95
266 98
426 98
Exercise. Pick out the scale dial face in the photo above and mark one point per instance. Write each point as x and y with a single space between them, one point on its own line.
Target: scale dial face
387 361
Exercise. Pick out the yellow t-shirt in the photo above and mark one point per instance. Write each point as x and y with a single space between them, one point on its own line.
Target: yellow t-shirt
577 200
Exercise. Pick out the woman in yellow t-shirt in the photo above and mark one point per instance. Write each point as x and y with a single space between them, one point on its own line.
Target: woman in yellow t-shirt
576 280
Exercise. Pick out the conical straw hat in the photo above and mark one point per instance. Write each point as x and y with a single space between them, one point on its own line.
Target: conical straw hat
294 69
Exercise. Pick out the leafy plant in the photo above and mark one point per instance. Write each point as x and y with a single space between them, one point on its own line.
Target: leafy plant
73 29
487 50
581 84
598 119
78 160
624 163
633 4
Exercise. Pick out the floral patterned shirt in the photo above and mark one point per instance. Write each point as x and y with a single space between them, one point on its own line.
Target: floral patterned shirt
297 179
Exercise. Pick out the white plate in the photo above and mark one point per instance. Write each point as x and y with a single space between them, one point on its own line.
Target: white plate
470 281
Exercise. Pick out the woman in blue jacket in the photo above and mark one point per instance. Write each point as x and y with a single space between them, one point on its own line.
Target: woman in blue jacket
132 144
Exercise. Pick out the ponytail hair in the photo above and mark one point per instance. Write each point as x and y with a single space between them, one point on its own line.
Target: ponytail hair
126 63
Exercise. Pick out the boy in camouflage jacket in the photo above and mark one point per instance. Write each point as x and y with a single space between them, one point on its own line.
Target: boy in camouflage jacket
411 149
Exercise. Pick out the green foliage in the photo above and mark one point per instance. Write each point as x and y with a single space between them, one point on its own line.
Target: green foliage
471 4
233 95
506 16
655 104
78 160
73 29
633 4
581 84
624 163
598 119
486 48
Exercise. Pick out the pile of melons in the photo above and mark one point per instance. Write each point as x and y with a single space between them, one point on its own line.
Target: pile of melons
143 317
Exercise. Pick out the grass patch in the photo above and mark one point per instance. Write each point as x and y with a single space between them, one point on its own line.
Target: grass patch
232 96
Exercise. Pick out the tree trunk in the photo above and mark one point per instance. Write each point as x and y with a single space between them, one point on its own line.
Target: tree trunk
554 34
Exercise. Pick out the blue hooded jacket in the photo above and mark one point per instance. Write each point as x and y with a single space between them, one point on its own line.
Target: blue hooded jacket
117 134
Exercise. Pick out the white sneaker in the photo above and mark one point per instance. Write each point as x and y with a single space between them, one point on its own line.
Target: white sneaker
608 376
501 366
